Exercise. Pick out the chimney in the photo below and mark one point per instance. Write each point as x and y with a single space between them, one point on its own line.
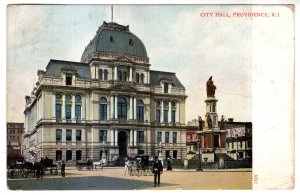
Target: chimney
230 119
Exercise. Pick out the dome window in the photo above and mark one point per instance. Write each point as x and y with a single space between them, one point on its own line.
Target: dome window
130 42
111 39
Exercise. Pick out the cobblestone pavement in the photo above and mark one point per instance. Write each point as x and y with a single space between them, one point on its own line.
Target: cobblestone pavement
115 179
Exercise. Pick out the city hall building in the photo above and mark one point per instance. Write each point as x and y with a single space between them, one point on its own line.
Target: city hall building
109 104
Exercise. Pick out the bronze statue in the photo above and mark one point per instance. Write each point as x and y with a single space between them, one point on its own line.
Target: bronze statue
200 123
222 126
210 88
209 122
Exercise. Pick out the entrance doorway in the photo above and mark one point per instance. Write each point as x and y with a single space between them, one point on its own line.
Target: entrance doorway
122 143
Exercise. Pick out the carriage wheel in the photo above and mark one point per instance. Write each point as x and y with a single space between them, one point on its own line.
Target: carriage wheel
130 172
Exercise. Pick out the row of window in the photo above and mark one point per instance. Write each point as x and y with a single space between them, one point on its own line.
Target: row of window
165 116
167 137
68 135
68 111
68 97
69 155
102 136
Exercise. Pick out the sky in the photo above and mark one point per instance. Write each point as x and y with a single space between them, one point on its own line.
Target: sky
176 38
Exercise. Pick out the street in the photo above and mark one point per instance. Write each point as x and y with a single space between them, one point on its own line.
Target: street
114 179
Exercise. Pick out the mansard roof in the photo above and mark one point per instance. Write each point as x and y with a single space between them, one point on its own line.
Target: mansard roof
157 76
55 68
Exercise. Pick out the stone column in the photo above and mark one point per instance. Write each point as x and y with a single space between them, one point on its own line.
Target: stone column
116 73
130 137
148 77
116 107
177 113
116 137
73 108
83 107
63 113
130 108
37 109
130 74
170 110
53 106
97 72
134 137
112 107
162 112
134 108
111 137
170 88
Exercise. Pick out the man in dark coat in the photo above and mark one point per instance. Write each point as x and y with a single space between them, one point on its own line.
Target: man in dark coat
157 170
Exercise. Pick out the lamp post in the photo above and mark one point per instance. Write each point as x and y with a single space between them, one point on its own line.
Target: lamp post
199 156
104 147
236 153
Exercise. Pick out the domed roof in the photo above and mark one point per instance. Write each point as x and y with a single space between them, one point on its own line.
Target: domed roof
115 38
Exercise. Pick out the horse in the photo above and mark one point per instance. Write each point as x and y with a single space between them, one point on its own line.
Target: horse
128 164
98 164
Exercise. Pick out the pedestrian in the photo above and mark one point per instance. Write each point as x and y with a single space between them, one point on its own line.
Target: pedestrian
63 167
157 170
169 165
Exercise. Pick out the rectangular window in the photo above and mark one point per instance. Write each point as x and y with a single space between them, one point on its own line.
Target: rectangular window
103 111
58 112
166 116
58 135
158 115
140 137
141 152
102 135
173 116
216 141
69 155
68 79
78 112
166 87
158 137
58 155
167 153
78 135
78 155
68 112
69 135
167 137
175 154
174 137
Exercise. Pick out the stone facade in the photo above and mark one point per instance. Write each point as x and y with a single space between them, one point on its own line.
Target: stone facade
110 102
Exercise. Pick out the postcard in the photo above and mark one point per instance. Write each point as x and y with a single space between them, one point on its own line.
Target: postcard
150 97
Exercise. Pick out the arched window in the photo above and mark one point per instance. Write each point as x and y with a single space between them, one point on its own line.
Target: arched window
58 96
120 75
105 75
100 74
78 98
103 109
142 78
122 108
125 76
137 78
140 110
78 108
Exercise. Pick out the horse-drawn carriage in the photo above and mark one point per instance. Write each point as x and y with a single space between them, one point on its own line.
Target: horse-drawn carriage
87 165
90 165
24 168
141 165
